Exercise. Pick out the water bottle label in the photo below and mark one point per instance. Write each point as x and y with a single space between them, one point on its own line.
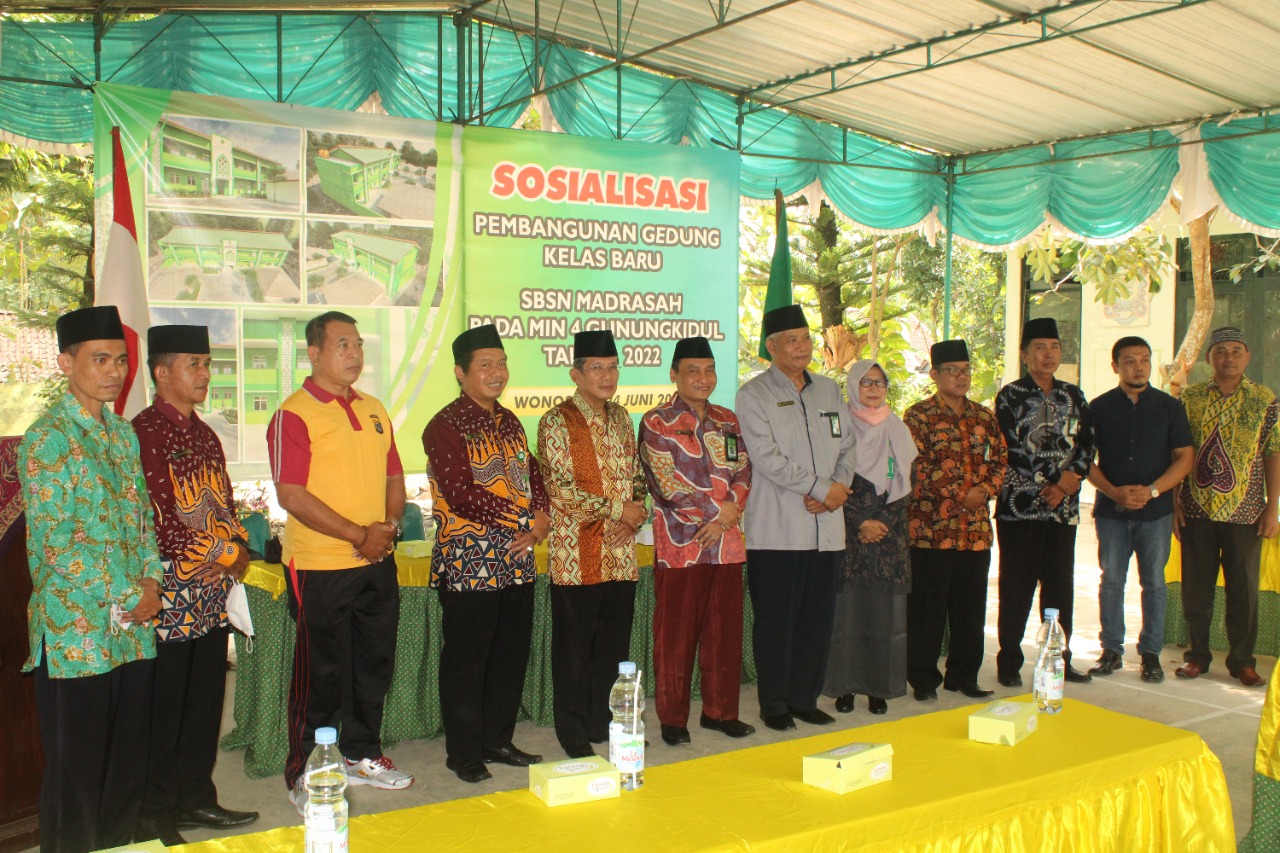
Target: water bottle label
334 841
626 750
322 818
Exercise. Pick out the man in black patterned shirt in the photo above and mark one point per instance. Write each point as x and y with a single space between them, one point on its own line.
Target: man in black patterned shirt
1049 433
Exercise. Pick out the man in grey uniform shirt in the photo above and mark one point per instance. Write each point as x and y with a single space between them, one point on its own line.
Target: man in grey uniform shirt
797 428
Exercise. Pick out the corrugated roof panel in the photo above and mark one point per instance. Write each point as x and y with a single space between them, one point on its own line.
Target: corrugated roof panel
1203 59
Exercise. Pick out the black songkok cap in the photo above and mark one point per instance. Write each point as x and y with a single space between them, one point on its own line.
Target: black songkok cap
100 323
1040 327
594 344
480 337
168 339
946 351
1223 335
783 319
696 347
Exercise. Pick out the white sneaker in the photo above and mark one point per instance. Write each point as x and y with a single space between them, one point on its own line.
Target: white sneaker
298 796
378 772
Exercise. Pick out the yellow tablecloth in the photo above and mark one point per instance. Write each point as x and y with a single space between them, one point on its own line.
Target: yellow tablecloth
1268 574
412 571
1140 786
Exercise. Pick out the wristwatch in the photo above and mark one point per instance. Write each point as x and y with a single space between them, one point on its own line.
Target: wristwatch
1155 493
395 524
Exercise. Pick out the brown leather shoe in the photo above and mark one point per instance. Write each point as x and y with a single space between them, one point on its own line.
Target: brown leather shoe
1249 677
1189 670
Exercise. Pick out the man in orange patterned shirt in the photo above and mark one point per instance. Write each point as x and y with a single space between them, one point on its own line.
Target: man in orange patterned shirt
592 472
960 467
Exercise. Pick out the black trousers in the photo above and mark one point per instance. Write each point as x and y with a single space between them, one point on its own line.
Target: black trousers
1237 548
1031 553
590 634
487 636
343 659
95 731
947 586
793 599
186 713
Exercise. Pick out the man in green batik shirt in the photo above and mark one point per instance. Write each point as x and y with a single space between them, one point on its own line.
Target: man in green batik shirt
96 575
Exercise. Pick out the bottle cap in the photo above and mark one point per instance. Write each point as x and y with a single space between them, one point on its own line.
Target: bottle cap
326 735
1050 613
626 667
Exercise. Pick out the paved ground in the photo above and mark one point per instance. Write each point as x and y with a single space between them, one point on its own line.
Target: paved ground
1221 711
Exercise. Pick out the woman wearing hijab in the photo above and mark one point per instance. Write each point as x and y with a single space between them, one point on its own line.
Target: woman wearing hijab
869 641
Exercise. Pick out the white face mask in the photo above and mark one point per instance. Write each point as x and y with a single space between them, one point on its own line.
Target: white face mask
238 610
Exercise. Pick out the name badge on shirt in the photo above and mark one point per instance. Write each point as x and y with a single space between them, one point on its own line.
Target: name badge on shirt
181 454
786 403
833 421
684 432
730 447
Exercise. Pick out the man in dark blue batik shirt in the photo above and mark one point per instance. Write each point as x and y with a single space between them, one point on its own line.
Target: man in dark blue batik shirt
1144 450
1049 434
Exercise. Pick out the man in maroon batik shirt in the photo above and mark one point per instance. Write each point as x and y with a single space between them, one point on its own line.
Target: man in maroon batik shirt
203 547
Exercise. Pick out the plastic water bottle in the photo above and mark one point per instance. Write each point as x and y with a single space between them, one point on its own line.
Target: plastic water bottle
326 781
626 732
1050 674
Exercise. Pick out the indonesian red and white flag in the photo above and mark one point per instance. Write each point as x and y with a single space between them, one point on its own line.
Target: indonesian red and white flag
122 285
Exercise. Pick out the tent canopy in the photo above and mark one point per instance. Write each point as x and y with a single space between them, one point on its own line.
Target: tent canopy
1001 114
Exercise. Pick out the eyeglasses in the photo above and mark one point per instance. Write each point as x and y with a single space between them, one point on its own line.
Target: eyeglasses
874 383
956 371
600 368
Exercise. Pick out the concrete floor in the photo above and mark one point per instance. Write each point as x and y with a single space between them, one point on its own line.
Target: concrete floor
1220 710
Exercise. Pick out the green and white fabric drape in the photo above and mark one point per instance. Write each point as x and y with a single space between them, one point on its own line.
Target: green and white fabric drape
1098 189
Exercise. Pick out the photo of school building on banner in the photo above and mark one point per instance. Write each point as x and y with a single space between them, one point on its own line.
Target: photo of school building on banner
563 234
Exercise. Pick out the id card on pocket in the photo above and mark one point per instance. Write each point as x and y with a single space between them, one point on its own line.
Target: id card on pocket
833 421
730 447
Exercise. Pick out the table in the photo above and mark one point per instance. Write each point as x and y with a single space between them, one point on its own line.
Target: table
412 708
1175 625
1143 787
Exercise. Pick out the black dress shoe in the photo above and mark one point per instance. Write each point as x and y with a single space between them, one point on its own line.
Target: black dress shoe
778 722
675 735
733 728
1151 670
925 695
581 750
876 705
162 828
844 704
1010 679
214 817
1075 676
471 772
973 691
509 754
1107 664
814 716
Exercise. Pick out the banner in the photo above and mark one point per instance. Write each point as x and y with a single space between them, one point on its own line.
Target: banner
563 234
254 217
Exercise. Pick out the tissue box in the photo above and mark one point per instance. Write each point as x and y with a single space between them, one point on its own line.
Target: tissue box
1003 722
850 767
574 780
415 548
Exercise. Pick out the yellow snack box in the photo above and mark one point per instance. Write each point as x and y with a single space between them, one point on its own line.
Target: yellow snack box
574 780
415 547
1003 722
850 767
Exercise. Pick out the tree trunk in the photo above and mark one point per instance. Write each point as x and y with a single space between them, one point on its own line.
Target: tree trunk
1202 316
830 307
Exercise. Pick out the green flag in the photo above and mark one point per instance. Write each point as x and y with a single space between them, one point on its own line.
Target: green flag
779 292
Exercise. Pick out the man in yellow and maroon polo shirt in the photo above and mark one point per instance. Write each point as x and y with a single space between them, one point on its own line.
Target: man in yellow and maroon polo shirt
338 475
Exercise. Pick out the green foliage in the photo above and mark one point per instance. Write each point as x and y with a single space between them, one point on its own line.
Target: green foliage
1268 258
46 218
977 310
1115 270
